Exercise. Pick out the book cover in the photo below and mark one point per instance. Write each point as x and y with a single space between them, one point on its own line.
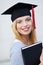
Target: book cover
31 54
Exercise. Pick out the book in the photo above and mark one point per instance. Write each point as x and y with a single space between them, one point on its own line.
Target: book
31 54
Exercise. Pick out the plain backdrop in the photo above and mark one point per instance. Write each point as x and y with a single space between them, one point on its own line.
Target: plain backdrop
6 34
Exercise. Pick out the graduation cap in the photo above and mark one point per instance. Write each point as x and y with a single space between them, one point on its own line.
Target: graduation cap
21 9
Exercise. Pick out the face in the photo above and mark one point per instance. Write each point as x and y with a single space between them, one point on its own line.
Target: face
24 25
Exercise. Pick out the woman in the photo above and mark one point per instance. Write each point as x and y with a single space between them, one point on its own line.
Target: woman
25 35
23 27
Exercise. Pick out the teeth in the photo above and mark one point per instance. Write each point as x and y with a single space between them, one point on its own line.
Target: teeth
26 29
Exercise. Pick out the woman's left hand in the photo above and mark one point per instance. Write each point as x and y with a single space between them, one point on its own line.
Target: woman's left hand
41 58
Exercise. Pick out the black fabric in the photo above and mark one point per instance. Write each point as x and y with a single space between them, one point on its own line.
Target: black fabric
20 13
31 55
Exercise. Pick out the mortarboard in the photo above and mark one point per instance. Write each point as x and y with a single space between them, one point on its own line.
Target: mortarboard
21 9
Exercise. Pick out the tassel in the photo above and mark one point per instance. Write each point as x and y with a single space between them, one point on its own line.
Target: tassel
33 17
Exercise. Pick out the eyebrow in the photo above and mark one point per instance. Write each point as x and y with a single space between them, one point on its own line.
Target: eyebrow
18 20
28 18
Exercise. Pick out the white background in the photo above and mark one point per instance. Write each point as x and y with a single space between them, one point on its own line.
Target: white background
6 34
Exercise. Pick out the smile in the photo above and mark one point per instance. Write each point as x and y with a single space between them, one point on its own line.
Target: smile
26 29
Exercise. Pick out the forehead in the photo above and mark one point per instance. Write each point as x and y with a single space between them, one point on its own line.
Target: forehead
23 17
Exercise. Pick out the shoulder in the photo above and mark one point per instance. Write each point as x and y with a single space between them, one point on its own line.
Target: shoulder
16 41
15 47
15 53
16 44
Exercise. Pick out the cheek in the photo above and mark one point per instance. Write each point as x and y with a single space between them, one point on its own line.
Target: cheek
30 24
18 26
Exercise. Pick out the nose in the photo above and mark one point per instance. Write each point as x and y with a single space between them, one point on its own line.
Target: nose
24 23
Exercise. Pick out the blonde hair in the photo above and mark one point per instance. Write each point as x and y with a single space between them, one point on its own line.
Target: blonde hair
32 35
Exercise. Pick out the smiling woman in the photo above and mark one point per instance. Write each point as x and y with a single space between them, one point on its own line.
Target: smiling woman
24 30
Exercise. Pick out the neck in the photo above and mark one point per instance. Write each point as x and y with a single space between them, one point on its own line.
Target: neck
26 37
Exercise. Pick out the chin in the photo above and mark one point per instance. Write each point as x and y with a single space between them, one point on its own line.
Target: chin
25 33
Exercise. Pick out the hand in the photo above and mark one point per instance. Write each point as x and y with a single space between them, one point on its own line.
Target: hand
41 58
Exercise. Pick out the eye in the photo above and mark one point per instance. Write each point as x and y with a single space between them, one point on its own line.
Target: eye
19 21
28 19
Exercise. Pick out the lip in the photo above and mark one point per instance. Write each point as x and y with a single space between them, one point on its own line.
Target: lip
26 29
